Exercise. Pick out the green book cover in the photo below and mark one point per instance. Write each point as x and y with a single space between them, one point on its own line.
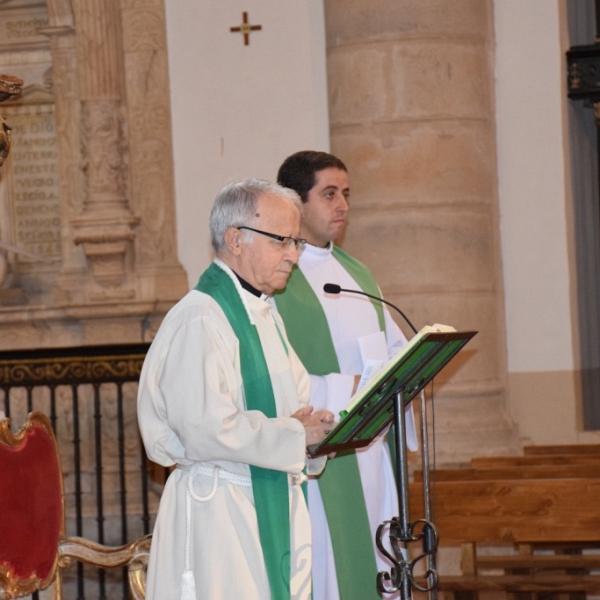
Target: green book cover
371 409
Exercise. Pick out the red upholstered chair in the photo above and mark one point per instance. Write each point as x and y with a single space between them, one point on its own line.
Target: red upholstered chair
31 506
33 547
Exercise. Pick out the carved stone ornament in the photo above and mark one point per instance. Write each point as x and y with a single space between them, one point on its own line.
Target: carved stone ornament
10 87
106 227
106 243
111 236
104 148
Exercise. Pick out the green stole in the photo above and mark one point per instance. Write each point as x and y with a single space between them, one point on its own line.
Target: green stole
270 488
340 483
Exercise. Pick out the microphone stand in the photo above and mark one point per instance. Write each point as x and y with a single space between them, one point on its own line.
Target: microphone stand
401 531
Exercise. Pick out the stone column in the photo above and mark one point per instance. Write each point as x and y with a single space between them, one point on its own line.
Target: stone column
411 112
65 89
105 227
151 164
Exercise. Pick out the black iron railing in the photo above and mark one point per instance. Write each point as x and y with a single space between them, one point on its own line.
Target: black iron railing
111 490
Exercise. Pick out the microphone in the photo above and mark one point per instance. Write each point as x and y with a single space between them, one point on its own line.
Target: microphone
334 288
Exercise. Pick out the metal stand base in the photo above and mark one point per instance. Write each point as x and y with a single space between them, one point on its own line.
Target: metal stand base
401 531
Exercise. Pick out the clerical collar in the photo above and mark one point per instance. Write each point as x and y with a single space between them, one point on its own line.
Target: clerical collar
246 286
311 252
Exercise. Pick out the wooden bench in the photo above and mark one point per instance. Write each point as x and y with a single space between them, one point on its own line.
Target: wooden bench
562 449
511 473
541 511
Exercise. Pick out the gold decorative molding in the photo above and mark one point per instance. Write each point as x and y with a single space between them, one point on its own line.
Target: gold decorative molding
66 370
10 86
134 555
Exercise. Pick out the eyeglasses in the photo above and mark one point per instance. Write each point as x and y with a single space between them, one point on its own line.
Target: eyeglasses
286 241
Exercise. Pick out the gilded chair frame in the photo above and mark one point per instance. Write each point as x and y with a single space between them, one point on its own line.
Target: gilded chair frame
134 555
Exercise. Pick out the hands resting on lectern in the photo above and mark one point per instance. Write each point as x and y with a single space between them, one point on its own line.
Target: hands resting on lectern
317 423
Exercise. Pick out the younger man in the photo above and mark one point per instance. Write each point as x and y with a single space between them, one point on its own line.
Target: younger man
331 334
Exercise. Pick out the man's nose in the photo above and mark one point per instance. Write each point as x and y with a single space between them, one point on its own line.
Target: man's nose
343 205
292 254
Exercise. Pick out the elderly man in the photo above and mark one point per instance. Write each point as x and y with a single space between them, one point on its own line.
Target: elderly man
224 398
334 337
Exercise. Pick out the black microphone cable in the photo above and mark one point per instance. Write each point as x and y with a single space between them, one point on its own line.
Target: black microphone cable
334 288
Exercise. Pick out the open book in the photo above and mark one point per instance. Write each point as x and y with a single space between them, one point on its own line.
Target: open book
371 409
372 368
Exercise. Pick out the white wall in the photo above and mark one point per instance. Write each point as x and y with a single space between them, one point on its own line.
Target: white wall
239 111
530 99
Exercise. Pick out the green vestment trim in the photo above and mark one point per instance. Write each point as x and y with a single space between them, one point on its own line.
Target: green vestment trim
361 274
271 492
340 483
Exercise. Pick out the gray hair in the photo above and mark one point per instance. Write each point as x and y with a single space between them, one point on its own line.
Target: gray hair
235 205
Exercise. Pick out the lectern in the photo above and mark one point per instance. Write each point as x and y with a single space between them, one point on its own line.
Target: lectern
380 403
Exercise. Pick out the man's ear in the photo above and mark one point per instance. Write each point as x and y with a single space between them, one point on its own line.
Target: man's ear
233 240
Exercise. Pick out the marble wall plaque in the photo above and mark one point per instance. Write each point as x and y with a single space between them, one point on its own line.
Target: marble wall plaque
34 184
19 23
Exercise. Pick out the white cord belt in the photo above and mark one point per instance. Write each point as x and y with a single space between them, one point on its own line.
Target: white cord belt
219 473
216 473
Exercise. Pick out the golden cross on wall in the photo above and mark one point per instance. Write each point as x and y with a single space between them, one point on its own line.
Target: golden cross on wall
245 28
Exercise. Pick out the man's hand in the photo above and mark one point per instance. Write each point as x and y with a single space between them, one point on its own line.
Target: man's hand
317 424
357 379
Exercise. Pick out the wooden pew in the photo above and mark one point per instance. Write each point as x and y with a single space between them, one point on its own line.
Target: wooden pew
523 472
562 449
549 460
543 508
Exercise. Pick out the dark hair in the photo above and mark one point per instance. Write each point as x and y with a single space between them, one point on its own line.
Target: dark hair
298 170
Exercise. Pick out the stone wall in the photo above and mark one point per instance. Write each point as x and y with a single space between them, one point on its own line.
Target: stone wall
87 194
